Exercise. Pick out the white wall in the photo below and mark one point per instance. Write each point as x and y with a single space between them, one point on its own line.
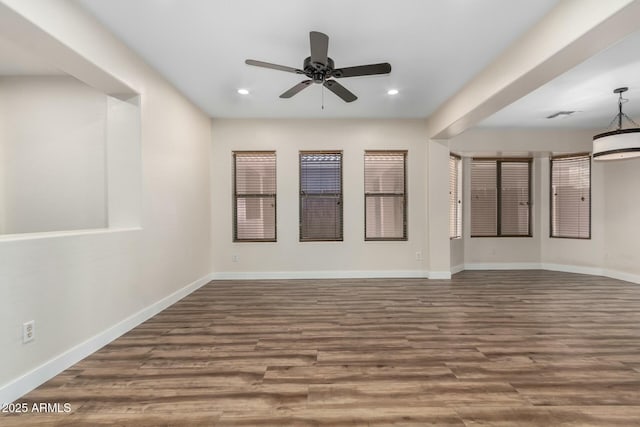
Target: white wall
622 218
76 286
506 142
2 214
54 154
456 255
288 257
438 209
123 162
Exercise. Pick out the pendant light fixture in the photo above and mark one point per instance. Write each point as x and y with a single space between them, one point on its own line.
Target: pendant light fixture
619 143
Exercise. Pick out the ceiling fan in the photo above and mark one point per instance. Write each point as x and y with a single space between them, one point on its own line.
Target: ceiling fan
319 68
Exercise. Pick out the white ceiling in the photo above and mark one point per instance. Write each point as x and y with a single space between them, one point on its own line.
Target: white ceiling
586 89
434 47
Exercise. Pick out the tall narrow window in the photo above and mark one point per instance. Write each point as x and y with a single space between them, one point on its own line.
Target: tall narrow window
484 198
385 196
254 196
320 196
515 208
455 197
571 196
500 198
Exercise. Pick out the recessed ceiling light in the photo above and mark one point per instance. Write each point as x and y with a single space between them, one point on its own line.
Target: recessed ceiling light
243 91
392 92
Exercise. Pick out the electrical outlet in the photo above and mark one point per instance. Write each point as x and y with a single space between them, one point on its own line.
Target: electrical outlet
418 255
28 331
235 258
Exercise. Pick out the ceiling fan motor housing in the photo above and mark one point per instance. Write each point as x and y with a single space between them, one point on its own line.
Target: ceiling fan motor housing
317 71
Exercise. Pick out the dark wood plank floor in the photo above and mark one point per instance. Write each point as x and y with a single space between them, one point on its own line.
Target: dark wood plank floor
497 348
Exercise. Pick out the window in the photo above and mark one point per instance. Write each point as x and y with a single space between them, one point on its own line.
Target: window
254 207
500 198
571 196
455 199
320 196
385 195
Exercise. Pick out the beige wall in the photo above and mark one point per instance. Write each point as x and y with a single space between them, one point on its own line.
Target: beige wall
54 154
289 257
456 254
438 209
2 213
77 286
527 251
521 141
516 251
622 218
613 248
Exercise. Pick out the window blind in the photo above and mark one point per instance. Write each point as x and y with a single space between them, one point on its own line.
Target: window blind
500 198
455 198
484 198
571 196
254 196
385 195
514 198
320 196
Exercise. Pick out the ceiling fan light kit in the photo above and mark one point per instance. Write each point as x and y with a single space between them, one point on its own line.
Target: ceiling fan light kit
320 69
619 143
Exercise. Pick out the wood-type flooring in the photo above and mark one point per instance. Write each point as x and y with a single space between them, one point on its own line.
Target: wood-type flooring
487 348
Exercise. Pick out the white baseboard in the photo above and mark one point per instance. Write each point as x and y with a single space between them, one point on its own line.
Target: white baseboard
457 268
439 275
573 269
503 266
19 387
627 277
13 390
346 274
595 271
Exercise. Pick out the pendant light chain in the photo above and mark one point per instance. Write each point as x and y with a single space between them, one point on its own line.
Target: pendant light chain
618 117
618 143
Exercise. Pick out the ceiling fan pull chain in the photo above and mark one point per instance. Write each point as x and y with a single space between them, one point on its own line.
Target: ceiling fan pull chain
322 97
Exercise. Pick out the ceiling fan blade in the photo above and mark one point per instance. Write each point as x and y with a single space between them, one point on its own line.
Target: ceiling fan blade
362 70
340 90
319 47
273 66
297 88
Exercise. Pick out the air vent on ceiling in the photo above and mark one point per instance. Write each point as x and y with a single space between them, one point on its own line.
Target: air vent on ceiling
560 113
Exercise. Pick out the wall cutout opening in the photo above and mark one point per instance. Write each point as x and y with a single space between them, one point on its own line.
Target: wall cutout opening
69 153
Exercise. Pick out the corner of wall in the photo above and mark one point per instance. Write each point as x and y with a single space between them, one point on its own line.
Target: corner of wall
18 387
437 203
